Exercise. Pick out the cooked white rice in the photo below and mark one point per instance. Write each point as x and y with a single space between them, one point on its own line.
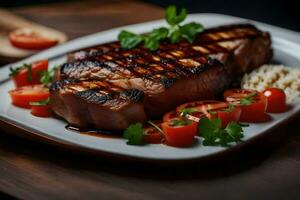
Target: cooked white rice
279 76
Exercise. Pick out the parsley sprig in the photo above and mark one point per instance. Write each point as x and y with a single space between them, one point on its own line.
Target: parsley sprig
40 103
47 76
248 99
177 122
134 134
214 135
15 71
187 111
229 108
174 32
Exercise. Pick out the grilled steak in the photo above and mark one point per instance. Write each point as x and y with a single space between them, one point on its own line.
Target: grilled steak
97 103
174 74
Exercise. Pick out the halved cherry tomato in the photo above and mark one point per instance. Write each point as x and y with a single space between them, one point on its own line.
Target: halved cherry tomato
23 78
22 96
227 115
153 136
41 110
252 103
198 109
211 109
170 116
180 135
276 100
26 38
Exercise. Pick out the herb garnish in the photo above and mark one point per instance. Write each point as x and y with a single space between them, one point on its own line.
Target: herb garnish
16 70
177 122
214 135
40 103
248 99
29 74
229 108
187 111
47 76
175 32
134 134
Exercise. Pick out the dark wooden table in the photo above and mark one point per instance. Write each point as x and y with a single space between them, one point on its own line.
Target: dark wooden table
267 169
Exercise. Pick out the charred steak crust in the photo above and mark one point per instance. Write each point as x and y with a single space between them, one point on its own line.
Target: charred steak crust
96 103
98 92
151 83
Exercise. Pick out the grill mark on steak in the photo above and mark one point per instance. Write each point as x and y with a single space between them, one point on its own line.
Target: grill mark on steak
98 92
165 63
164 71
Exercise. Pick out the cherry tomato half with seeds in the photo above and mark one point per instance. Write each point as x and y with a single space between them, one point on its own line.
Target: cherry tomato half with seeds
211 109
32 76
171 116
152 135
252 103
22 96
180 135
276 99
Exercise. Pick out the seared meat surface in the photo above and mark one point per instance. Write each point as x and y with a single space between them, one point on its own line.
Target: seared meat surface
97 103
174 74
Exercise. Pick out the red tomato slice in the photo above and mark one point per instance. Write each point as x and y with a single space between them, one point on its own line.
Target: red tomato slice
28 39
22 96
254 110
180 136
22 78
211 109
152 135
276 99
227 115
41 111
198 109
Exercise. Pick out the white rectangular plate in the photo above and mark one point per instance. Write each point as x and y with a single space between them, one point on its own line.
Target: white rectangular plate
286 48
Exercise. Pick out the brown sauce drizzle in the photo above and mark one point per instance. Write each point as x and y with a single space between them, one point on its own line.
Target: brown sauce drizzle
94 132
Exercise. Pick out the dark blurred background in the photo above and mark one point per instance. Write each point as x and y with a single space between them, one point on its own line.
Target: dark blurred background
284 13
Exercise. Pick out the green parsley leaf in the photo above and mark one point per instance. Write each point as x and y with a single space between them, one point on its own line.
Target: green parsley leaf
134 134
229 109
189 31
212 112
172 17
214 135
47 76
175 32
14 71
177 122
175 36
209 130
235 131
248 99
152 40
129 40
29 73
40 103
187 111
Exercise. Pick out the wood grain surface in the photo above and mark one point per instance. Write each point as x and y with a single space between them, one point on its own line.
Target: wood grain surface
267 169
